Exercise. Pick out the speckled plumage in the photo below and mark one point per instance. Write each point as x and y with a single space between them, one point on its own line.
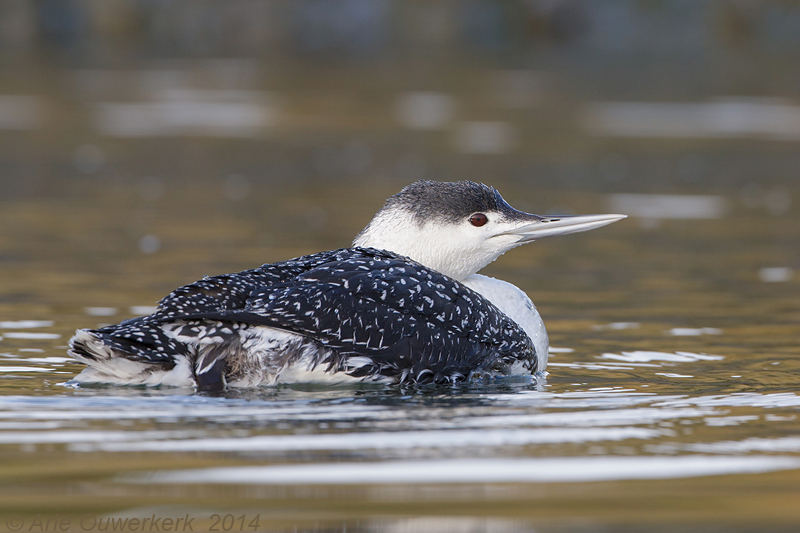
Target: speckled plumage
405 304
371 314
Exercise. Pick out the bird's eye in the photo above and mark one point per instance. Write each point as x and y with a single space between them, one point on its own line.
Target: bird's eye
478 219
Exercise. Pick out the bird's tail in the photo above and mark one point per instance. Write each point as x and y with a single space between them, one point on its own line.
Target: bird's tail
108 362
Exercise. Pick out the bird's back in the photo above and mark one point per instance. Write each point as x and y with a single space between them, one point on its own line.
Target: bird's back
367 313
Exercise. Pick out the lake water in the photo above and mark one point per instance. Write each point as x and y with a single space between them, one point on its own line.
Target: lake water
670 404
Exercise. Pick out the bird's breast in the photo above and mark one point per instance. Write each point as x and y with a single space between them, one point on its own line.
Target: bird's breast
516 305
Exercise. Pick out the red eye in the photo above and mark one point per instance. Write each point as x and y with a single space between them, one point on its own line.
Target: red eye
478 219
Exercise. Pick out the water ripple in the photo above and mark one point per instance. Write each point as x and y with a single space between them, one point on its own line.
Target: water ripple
494 470
389 440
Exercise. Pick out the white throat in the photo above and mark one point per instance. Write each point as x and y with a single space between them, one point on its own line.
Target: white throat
450 249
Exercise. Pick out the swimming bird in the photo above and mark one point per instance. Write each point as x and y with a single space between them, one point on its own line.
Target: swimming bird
404 304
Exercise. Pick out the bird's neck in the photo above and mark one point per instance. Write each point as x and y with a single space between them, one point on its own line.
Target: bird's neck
431 245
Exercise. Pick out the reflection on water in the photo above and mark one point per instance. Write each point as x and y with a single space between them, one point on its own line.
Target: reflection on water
187 112
775 274
517 470
729 118
660 206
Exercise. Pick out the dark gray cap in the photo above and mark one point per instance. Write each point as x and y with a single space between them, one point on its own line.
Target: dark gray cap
450 201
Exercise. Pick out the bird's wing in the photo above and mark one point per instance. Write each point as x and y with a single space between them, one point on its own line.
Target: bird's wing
143 339
382 313
390 316
229 292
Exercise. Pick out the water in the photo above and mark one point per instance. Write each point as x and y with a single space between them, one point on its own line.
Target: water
670 404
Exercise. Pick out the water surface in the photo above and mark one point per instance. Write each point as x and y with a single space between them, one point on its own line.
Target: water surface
670 401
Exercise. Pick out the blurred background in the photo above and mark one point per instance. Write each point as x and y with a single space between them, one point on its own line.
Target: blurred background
146 143
267 115
617 96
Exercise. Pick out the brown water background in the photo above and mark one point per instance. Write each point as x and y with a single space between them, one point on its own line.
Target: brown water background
677 331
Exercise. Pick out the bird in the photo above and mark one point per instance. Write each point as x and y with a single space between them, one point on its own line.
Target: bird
403 305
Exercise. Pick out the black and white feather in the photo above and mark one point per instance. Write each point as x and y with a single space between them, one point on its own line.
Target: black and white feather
363 313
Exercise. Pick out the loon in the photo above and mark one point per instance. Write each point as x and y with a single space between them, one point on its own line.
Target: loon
404 304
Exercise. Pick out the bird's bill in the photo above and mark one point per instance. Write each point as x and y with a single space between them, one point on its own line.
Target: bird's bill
562 225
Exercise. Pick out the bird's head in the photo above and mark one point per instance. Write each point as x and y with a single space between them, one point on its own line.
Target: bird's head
460 227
